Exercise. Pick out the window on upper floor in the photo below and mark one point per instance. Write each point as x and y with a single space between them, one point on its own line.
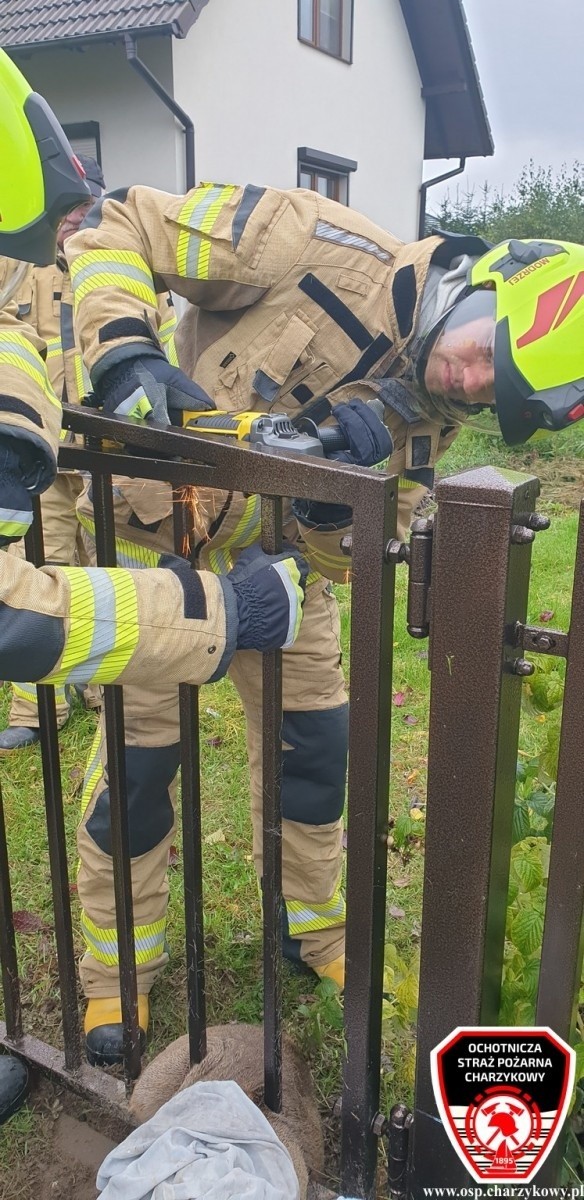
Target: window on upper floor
327 25
84 138
327 174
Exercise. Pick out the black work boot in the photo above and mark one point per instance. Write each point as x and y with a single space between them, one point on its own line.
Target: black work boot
104 1032
17 737
14 1086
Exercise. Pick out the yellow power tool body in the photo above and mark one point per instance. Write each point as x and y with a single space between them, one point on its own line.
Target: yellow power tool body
267 430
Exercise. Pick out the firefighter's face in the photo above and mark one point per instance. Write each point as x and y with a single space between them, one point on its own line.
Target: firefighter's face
70 224
460 364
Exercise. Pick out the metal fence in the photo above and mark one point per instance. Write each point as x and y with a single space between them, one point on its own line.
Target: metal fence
468 582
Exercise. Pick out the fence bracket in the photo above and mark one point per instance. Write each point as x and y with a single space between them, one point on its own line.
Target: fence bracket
540 641
397 1135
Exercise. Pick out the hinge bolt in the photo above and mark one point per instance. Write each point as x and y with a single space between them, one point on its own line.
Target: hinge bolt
397 552
537 522
521 666
379 1125
521 535
347 545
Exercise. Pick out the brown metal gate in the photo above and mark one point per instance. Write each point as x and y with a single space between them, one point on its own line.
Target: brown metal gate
479 553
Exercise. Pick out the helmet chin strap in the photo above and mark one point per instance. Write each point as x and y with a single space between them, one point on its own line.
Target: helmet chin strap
13 282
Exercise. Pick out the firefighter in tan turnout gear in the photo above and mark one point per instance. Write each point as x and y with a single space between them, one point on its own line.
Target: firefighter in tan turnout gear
45 300
300 305
65 624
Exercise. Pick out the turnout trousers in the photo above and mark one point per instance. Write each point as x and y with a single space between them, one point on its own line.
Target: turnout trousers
314 756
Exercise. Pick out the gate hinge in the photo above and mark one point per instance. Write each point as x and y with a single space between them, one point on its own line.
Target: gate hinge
417 553
540 641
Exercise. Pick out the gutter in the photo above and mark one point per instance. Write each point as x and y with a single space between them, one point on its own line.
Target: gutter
424 192
178 112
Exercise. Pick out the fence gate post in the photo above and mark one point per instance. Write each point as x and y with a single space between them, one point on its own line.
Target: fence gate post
480 578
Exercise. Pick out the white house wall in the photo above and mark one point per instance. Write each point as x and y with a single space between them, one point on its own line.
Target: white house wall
256 94
139 138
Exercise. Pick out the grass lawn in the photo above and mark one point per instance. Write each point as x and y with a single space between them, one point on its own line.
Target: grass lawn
233 922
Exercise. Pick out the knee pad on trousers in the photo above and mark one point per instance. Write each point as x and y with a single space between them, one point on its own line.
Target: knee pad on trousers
149 774
314 770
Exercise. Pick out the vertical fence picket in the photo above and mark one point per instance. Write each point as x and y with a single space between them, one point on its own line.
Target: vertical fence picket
374 519
271 516
116 780
53 796
480 578
191 824
563 935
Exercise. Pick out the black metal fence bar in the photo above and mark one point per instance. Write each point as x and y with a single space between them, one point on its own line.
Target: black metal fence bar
271 517
8 956
561 959
116 780
57 845
563 945
191 824
480 581
374 519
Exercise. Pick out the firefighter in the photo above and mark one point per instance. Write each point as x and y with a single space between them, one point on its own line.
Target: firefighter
45 300
301 305
62 625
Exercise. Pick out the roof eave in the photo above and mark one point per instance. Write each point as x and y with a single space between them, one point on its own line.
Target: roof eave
177 28
457 124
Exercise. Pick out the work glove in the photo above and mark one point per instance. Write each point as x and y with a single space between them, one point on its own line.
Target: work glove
15 499
370 444
269 591
148 386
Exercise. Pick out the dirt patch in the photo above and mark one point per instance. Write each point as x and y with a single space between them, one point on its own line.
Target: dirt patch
52 1149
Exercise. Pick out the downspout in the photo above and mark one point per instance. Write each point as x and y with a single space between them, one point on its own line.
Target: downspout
424 191
170 102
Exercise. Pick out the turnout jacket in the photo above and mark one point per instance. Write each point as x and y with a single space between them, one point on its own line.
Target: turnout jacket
294 297
45 301
103 625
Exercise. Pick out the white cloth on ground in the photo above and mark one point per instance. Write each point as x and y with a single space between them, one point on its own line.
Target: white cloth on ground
208 1141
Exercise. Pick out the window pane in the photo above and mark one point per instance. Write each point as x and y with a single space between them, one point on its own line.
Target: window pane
305 179
330 19
306 19
322 185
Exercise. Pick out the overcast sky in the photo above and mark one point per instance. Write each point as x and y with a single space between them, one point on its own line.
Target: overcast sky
530 58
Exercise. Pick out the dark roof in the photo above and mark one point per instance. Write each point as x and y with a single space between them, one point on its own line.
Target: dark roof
457 125
34 23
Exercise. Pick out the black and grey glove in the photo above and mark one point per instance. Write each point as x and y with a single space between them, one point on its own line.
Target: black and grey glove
15 498
148 386
369 444
268 590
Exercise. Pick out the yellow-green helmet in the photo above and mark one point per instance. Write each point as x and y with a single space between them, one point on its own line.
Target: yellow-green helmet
41 179
537 294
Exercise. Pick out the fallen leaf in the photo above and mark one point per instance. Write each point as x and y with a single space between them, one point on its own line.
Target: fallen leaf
547 615
541 718
212 838
345 839
76 774
413 775
242 938
397 913
215 742
402 883
72 888
212 712
410 719
27 922
416 814
173 857
399 698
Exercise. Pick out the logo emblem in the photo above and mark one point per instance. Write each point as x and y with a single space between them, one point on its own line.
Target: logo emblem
503 1096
